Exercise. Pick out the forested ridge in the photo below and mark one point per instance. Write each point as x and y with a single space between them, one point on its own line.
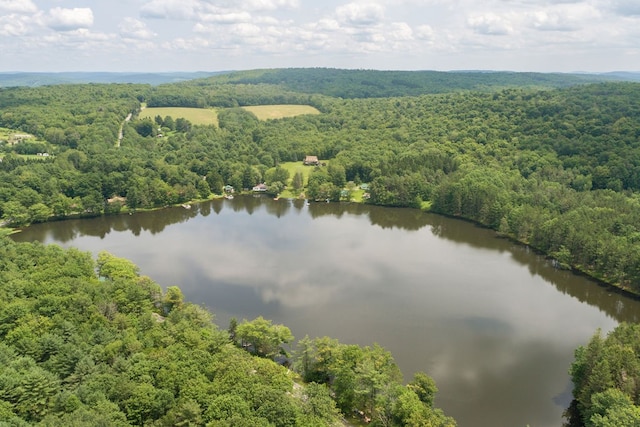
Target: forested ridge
384 84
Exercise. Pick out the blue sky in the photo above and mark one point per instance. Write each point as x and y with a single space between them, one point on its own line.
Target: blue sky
216 35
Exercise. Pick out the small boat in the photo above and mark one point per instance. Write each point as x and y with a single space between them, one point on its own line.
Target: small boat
228 196
184 205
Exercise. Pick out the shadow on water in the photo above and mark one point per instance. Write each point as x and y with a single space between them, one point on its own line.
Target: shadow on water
619 307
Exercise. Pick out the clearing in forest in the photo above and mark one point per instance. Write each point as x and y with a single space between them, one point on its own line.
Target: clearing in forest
197 116
266 112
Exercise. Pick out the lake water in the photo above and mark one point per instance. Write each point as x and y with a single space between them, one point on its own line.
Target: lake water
493 323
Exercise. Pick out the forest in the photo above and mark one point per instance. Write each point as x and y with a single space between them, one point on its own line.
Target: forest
551 161
89 342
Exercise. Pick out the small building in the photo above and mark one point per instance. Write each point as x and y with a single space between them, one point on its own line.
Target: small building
311 161
228 189
260 188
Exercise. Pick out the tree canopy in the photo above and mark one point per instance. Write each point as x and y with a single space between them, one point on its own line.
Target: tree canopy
88 343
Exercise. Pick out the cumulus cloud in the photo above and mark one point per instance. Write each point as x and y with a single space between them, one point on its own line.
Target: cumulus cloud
400 31
360 14
490 24
14 25
61 19
546 21
170 9
424 32
132 28
227 18
268 4
562 18
201 10
18 6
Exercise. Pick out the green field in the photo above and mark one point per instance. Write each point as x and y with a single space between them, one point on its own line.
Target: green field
197 116
266 112
11 135
292 167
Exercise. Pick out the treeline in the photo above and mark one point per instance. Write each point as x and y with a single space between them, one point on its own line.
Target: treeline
384 84
205 95
606 374
87 343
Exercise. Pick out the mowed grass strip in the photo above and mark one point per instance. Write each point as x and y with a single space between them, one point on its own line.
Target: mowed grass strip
197 116
266 112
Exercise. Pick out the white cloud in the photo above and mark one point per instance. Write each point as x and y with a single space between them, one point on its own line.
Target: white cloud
490 24
170 9
208 10
400 31
326 25
244 31
14 25
61 19
267 4
549 21
360 14
18 6
132 28
227 18
424 32
564 17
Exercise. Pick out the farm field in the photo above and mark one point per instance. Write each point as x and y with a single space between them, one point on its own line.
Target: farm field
266 112
197 116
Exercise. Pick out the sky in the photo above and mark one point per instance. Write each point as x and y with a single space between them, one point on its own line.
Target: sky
222 35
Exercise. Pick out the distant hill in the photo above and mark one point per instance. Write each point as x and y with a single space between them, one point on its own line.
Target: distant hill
45 79
633 76
333 82
378 84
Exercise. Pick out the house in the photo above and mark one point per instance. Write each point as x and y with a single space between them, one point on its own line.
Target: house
228 189
260 188
311 161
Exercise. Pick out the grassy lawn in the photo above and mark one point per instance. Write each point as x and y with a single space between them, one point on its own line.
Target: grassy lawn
10 134
266 112
293 167
197 116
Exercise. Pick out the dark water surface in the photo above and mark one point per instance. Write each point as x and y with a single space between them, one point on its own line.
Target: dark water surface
493 323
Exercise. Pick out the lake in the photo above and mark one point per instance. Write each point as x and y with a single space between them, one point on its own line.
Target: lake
492 322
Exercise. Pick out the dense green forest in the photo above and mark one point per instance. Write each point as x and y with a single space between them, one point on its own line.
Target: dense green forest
606 375
548 160
87 343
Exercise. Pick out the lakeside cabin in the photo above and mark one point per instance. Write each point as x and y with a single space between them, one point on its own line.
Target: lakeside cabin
260 188
311 161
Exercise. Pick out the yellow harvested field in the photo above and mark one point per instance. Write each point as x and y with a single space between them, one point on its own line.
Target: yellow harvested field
266 112
197 116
